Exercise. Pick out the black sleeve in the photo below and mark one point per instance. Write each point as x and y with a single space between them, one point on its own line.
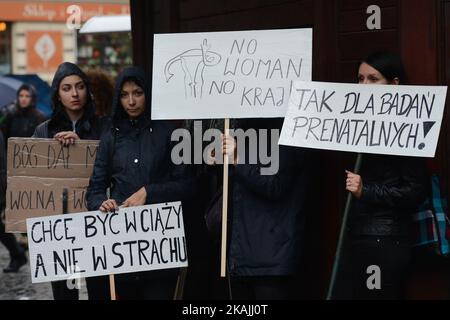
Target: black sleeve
41 131
101 176
408 193
180 184
291 161
6 127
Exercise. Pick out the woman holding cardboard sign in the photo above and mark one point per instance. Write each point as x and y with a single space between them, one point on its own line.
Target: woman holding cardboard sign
73 115
73 118
134 163
387 191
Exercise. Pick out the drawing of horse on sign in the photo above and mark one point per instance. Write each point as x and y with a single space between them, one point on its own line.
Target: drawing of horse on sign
193 63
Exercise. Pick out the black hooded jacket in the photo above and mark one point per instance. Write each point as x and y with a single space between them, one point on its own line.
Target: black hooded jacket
89 127
136 154
23 121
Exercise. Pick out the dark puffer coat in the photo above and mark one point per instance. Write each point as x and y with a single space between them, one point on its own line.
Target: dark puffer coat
136 154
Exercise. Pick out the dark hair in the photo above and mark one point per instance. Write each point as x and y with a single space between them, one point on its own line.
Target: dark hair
138 77
389 64
59 120
135 80
31 90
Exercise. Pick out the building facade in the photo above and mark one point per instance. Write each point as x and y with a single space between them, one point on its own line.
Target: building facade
38 35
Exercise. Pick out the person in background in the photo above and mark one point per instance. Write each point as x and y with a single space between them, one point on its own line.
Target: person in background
22 122
387 191
26 117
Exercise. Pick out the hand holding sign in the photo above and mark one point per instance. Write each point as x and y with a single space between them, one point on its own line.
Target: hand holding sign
136 199
109 205
66 137
354 184
229 148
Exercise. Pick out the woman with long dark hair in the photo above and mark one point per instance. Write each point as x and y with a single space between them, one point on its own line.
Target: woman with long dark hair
134 163
387 191
73 118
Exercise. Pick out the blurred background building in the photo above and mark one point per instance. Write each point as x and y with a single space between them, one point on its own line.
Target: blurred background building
37 36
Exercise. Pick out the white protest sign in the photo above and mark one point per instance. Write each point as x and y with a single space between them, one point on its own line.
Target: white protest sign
382 119
239 74
93 243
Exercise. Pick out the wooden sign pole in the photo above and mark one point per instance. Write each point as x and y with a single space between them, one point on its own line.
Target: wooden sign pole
224 207
112 287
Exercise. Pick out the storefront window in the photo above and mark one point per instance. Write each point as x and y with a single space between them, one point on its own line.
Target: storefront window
110 52
5 48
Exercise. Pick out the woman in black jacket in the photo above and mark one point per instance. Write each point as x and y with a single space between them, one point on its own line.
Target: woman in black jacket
134 161
22 122
26 117
73 118
387 191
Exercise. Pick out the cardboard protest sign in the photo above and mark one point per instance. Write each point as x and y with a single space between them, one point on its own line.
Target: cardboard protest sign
28 197
381 119
50 159
242 74
44 177
93 243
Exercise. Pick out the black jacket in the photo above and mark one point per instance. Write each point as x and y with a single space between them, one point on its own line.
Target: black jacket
267 214
393 189
136 154
23 122
89 127
2 172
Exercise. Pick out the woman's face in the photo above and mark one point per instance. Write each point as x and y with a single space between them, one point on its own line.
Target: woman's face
24 98
73 93
132 98
369 75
